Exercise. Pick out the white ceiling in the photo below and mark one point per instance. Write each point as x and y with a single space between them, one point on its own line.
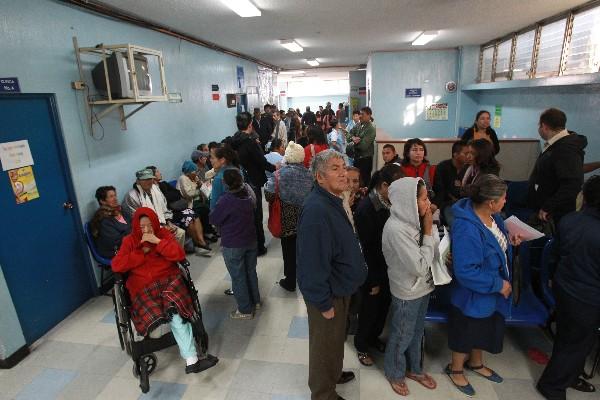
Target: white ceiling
343 32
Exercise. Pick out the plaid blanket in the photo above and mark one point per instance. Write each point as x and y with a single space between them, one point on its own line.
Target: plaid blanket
157 303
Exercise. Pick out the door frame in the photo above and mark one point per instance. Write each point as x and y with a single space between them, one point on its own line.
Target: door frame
66 171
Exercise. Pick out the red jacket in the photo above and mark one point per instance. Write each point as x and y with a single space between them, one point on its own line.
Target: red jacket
419 172
308 154
145 269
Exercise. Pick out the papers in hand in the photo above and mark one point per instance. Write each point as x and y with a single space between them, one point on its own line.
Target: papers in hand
517 227
444 246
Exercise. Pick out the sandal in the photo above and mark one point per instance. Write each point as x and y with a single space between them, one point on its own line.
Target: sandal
365 359
466 389
494 377
400 388
581 385
425 380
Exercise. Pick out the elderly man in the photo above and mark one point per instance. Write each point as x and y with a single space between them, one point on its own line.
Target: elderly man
146 193
330 268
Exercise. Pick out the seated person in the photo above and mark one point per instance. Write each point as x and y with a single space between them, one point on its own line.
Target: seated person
183 215
447 185
149 256
146 194
415 163
481 161
108 226
188 188
389 155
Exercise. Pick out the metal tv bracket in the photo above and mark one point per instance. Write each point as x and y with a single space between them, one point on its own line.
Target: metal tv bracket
104 51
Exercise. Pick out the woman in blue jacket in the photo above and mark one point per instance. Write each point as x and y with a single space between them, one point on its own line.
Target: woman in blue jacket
481 256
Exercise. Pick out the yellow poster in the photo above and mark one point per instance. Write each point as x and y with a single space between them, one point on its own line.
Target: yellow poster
23 184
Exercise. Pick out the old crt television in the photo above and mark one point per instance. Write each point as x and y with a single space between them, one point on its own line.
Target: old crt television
119 77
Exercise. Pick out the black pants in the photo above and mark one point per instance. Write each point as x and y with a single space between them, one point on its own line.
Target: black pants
202 212
258 218
576 325
371 317
365 165
288 248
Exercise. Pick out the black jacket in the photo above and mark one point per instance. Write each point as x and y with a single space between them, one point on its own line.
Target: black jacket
267 125
468 135
252 158
370 218
577 252
446 184
557 177
110 234
329 260
309 118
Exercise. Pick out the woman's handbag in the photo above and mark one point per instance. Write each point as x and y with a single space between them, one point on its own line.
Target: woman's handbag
178 205
274 223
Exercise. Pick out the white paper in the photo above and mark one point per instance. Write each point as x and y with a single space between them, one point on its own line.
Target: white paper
439 271
15 155
517 227
444 246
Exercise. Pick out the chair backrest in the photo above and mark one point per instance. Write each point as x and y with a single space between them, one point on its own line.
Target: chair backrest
173 183
92 246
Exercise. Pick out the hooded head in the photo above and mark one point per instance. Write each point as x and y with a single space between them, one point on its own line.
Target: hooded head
188 167
403 196
136 230
294 153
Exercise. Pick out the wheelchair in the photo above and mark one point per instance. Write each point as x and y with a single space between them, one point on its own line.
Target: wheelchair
142 351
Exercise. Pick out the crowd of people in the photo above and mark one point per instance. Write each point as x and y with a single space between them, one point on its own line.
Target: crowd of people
361 243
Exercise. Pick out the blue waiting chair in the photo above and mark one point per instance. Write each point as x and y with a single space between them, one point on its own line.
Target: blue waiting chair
103 263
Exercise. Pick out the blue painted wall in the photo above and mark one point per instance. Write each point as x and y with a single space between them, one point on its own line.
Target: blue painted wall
11 336
315 101
391 73
37 48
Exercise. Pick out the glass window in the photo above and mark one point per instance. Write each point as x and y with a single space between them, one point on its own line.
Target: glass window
486 64
551 44
584 50
524 48
503 61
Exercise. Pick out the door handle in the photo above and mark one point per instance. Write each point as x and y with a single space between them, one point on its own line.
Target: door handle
67 205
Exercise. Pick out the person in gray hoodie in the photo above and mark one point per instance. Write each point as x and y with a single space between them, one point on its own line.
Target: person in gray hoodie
410 246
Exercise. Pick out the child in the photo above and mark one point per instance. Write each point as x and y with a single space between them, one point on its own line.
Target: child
234 217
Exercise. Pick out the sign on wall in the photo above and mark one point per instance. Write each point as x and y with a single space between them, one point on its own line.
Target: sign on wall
412 92
240 78
9 85
15 155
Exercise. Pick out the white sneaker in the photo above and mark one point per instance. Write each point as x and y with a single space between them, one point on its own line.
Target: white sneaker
238 315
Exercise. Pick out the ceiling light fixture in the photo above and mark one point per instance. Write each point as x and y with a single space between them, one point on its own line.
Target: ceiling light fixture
291 45
312 62
424 38
243 8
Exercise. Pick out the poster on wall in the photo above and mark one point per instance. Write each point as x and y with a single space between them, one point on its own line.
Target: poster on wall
15 155
23 184
498 116
436 112
240 78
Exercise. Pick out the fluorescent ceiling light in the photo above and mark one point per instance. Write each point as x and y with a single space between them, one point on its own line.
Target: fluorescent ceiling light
290 72
312 62
291 45
425 38
243 8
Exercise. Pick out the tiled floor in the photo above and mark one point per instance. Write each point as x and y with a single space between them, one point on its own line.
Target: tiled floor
262 359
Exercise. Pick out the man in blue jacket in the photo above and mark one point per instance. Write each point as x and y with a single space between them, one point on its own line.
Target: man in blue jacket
330 268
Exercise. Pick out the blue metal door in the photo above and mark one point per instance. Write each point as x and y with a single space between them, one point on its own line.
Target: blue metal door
41 250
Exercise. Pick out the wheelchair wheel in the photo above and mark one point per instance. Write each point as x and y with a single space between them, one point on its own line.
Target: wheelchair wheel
149 360
147 364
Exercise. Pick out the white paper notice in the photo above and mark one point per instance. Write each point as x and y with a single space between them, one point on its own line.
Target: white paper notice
15 155
517 227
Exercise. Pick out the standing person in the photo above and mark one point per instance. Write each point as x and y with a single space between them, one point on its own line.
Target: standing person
480 292
252 159
446 183
354 121
340 114
319 118
292 183
267 125
308 118
481 130
331 268
370 218
327 115
557 176
317 142
576 285
481 160
410 246
222 159
415 163
234 216
363 136
295 126
280 131
336 137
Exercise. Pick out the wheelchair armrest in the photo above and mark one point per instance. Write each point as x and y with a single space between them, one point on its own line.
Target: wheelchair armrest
184 266
119 278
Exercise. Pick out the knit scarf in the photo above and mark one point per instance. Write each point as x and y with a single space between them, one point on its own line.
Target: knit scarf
156 201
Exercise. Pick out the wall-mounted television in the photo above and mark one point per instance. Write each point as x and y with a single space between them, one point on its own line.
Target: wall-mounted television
118 72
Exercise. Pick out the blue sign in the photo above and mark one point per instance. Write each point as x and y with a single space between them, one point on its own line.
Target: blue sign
240 77
9 85
414 92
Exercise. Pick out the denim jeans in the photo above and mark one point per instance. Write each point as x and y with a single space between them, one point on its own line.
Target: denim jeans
241 264
404 344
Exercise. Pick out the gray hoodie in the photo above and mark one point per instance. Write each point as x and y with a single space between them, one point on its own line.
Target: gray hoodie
409 265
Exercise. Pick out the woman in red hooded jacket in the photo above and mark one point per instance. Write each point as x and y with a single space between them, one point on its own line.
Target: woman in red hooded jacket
149 256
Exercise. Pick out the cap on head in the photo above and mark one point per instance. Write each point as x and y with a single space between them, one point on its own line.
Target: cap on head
143 174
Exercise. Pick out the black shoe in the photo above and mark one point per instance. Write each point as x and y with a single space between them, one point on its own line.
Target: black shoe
201 365
262 251
284 285
228 292
346 377
581 385
204 246
211 238
340 397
